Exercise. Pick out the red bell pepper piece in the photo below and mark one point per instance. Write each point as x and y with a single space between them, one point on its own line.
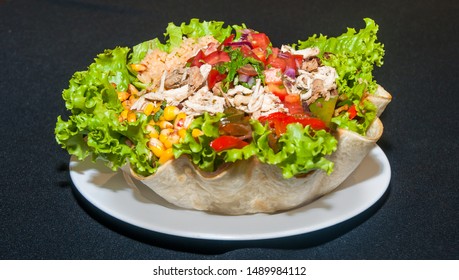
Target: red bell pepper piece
352 112
226 142
279 122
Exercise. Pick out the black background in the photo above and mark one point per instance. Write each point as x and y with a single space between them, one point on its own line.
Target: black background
42 43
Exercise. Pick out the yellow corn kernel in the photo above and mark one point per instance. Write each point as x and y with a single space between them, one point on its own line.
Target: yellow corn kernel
156 108
153 133
133 90
168 137
131 117
148 109
124 114
138 67
156 147
165 124
168 154
174 138
123 95
164 137
126 104
196 133
170 112
182 133
179 121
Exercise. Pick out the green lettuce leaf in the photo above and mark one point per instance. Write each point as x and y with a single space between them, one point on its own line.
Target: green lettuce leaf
174 35
199 150
301 149
353 55
94 129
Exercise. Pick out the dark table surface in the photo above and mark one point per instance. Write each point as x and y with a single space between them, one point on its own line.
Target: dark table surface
44 42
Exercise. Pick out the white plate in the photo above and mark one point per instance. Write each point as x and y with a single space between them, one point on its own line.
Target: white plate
132 202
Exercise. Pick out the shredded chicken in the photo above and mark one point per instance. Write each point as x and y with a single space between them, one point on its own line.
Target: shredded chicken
203 101
306 53
312 85
256 101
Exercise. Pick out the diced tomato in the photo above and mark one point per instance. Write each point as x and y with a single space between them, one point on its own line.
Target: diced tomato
278 89
226 142
279 121
227 41
216 57
261 54
247 52
352 112
290 62
248 70
273 76
277 62
293 104
197 60
259 40
214 77
284 60
298 60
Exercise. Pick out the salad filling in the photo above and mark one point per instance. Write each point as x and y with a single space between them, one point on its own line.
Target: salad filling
218 94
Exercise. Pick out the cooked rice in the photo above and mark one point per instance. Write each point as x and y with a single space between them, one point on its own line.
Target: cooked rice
158 61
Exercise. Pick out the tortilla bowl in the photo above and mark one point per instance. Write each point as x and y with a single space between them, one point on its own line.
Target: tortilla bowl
249 186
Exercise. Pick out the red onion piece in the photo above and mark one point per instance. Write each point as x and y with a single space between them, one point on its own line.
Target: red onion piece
240 44
244 78
290 72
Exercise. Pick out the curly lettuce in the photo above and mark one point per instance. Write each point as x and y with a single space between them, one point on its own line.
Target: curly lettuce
93 128
302 150
353 55
174 35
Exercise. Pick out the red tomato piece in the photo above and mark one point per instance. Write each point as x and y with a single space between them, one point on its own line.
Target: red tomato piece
293 104
214 77
259 40
226 142
279 122
352 112
216 57
277 62
227 41
197 60
247 52
261 54
278 89
298 60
